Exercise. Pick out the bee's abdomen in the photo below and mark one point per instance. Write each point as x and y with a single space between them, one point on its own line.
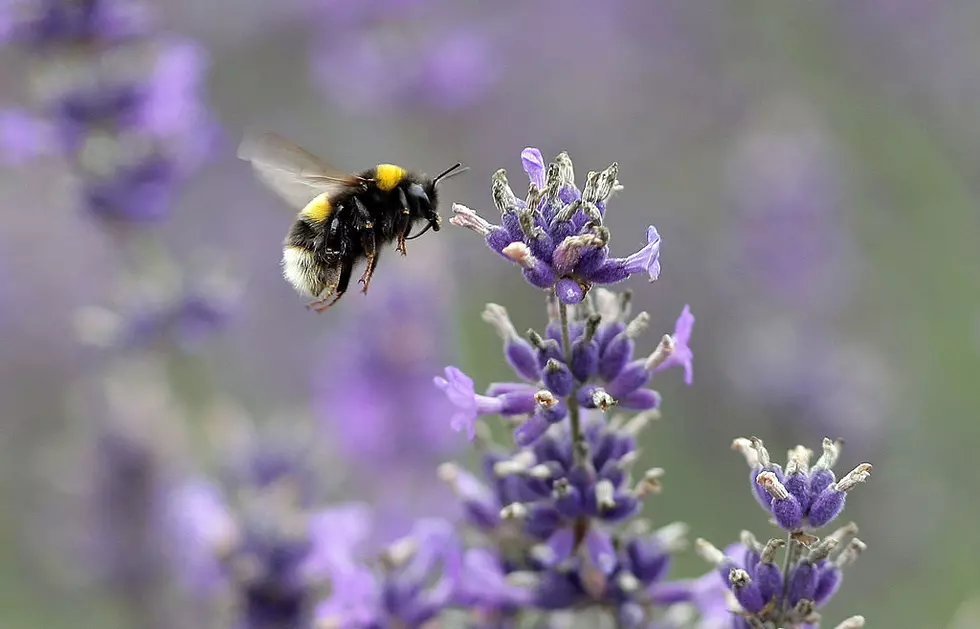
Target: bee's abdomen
319 209
304 234
301 270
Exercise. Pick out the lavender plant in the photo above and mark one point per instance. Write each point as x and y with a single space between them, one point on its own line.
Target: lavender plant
557 515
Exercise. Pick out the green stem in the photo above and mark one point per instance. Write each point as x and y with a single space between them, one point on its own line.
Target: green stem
787 568
573 411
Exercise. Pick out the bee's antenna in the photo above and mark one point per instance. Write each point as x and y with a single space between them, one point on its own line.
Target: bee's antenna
452 171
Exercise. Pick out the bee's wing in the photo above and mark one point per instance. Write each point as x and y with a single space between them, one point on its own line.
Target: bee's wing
292 172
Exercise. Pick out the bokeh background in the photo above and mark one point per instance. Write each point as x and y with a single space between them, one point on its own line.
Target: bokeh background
812 166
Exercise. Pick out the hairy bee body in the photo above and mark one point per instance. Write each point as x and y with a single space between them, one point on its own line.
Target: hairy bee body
335 231
344 218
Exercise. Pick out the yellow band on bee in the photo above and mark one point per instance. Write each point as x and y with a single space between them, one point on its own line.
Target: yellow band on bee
387 176
318 209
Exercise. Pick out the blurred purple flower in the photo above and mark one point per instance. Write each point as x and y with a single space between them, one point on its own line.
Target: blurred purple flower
557 234
373 386
122 102
788 235
47 24
23 137
792 258
420 575
270 545
400 53
127 528
158 311
373 394
116 530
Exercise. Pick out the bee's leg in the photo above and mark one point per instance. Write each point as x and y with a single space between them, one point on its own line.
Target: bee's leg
365 228
339 250
331 246
346 267
404 221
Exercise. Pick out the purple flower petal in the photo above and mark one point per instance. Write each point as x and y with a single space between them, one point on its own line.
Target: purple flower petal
681 356
203 526
531 430
458 387
484 583
601 552
534 166
560 545
354 599
569 291
23 137
647 259
337 534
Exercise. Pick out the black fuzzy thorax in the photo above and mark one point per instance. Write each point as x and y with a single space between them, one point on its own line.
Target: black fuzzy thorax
339 237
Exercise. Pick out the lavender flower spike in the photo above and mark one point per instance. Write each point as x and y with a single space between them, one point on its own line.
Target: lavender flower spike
802 498
556 234
752 573
594 368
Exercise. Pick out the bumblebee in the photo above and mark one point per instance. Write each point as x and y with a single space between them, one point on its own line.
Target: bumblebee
343 218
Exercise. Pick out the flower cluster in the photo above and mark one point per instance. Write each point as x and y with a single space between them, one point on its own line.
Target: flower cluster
557 514
555 523
116 97
587 362
772 593
557 234
801 497
767 594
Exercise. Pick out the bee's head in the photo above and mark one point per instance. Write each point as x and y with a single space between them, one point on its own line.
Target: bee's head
431 189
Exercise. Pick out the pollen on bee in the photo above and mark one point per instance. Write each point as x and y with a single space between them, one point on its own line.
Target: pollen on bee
318 209
388 176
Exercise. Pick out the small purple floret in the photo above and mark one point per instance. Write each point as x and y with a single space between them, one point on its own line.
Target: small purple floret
681 355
